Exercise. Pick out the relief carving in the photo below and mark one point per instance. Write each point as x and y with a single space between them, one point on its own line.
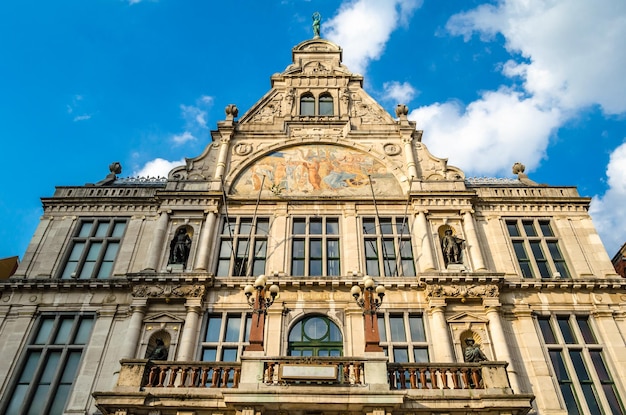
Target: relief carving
462 291
165 291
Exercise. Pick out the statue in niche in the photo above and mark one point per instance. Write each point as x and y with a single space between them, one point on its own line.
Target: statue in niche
180 248
451 246
159 352
472 353
317 18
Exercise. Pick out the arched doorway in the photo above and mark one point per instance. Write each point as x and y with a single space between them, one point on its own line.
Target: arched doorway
315 336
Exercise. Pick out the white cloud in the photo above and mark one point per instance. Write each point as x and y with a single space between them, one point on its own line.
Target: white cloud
573 50
158 168
608 215
399 93
183 138
363 27
82 117
490 134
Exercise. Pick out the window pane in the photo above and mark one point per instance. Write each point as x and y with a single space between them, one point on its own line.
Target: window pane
396 325
295 334
213 329
44 331
85 229
101 230
512 228
546 330
84 330
17 399
332 227
529 228
315 248
209 354
71 367
245 226
381 328
546 230
586 383
36 405
299 226
315 328
566 330
262 227
420 355
585 329
315 267
247 327
233 326
540 259
385 226
332 249
60 398
297 267
307 105
229 354
369 226
118 229
298 248
315 227
400 355
416 324
50 368
64 330
326 105
333 268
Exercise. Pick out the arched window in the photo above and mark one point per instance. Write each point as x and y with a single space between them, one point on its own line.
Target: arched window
315 336
326 105
307 105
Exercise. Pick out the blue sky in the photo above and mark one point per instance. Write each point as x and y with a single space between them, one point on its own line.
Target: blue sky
84 83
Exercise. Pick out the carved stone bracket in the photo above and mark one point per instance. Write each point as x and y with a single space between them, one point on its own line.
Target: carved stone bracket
462 291
168 291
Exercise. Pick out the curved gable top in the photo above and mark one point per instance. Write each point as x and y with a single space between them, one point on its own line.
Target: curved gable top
319 170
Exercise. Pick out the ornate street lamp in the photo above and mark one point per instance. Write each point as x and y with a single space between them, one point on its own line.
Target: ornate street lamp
259 303
370 304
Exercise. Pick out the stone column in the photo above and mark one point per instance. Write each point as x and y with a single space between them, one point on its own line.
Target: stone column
444 352
473 246
410 157
129 343
189 337
204 244
157 242
500 343
422 233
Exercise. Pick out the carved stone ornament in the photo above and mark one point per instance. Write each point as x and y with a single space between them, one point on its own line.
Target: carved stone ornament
168 291
462 291
391 149
243 149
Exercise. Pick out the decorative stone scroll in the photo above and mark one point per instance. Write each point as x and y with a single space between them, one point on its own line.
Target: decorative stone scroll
462 291
168 291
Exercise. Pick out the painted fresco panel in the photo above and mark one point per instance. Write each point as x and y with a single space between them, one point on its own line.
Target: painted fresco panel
317 170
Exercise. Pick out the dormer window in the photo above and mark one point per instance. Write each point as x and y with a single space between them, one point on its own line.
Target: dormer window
326 105
307 105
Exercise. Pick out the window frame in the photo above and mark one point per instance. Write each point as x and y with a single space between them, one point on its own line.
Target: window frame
328 262
315 345
389 344
88 242
536 253
230 239
376 243
328 102
222 343
50 347
310 100
584 343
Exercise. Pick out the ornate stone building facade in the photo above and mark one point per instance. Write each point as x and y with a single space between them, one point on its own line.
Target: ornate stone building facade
314 259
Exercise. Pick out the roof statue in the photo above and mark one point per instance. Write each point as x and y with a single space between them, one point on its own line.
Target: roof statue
317 18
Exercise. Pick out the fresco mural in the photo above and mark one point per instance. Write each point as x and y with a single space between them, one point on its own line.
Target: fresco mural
317 170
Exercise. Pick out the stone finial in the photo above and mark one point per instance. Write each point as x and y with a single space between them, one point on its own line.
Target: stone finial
518 168
231 111
402 111
115 168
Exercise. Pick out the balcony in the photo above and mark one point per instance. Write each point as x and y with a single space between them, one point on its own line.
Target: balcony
345 384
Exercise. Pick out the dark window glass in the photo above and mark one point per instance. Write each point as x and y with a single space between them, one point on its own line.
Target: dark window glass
566 329
326 105
585 329
546 330
307 105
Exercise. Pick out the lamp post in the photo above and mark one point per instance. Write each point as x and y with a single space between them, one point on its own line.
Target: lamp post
370 304
259 303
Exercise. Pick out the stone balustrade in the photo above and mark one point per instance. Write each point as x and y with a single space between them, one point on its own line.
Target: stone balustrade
484 375
314 371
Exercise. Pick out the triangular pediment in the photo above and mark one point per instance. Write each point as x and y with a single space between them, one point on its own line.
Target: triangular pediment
163 318
467 318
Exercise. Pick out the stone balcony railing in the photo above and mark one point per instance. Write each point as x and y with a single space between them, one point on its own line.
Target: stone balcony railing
141 374
339 371
484 375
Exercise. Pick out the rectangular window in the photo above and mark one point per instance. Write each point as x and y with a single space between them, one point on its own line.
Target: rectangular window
49 365
536 248
315 247
243 246
403 337
578 365
388 248
94 248
225 336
